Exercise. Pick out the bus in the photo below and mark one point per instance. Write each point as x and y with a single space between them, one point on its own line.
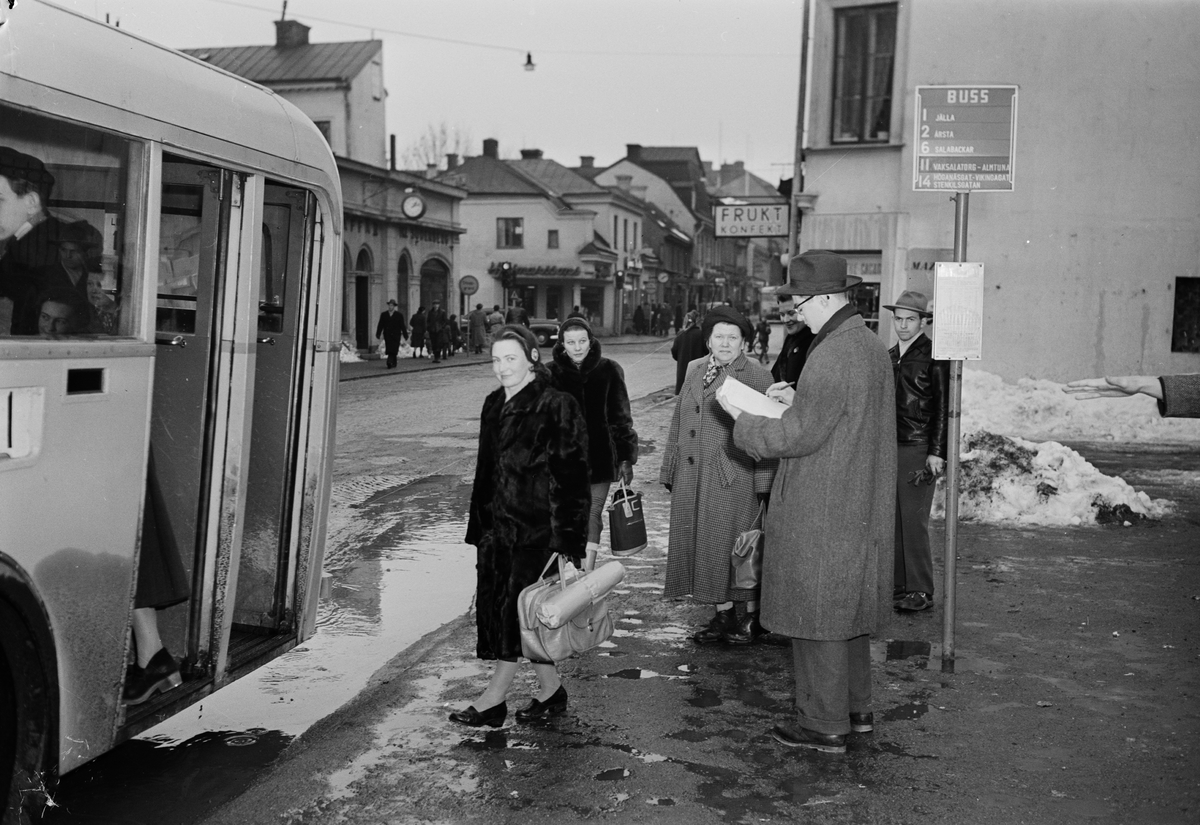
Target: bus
169 337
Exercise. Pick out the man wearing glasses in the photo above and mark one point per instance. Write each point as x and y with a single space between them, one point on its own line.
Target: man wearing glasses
798 338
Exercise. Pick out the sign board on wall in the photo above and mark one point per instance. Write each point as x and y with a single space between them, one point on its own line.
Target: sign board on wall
958 311
751 220
964 138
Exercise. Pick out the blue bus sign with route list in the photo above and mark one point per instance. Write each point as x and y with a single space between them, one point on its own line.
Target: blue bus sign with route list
964 138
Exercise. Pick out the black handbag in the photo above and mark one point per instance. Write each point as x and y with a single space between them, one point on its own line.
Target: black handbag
626 522
747 556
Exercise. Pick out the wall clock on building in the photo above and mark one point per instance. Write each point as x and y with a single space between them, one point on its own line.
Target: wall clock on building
413 206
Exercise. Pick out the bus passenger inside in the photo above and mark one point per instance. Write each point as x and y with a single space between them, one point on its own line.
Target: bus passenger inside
61 312
29 234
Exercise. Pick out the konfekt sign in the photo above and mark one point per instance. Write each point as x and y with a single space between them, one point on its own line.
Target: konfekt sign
751 220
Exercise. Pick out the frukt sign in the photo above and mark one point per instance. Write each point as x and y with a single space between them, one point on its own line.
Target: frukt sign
751 220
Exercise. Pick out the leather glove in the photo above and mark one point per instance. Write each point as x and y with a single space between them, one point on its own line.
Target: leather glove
625 472
668 486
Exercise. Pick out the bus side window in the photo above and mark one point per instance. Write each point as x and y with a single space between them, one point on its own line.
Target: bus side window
63 195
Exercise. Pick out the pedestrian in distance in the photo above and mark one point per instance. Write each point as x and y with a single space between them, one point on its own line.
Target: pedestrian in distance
598 384
477 324
516 314
437 330
453 335
576 312
922 404
391 328
530 499
418 333
716 487
829 528
495 320
762 339
1178 396
687 347
639 320
796 341
678 318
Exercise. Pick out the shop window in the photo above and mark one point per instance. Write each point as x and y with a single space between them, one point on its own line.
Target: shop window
64 191
864 56
552 239
510 233
1185 328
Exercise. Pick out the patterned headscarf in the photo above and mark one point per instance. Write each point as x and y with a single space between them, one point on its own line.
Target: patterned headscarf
714 369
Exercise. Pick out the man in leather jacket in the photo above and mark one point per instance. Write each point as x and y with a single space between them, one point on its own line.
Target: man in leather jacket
922 398
798 338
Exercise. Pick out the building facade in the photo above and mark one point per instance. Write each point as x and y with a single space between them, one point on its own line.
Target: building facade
401 228
1092 262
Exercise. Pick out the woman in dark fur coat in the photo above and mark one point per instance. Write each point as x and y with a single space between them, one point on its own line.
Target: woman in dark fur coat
530 499
598 384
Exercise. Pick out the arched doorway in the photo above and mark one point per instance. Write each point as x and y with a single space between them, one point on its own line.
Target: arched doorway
362 299
435 282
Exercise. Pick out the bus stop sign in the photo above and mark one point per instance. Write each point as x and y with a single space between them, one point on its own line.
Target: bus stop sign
965 138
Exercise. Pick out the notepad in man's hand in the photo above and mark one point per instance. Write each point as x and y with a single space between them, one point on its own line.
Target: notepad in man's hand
748 400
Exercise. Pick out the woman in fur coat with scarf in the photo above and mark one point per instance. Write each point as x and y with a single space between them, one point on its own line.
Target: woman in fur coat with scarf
598 384
530 499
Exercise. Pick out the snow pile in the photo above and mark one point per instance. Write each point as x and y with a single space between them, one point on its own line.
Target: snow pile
1040 410
1007 479
348 355
1011 480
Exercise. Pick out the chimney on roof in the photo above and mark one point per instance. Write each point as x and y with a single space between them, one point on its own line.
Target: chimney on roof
290 33
624 182
531 154
587 161
451 162
633 151
491 148
638 192
431 170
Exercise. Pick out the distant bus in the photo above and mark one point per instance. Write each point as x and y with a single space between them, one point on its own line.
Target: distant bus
168 374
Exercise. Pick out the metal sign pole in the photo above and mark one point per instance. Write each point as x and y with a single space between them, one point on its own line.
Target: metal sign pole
961 203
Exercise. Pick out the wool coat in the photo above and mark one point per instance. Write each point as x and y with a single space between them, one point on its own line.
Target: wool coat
598 384
1181 396
530 498
827 562
715 485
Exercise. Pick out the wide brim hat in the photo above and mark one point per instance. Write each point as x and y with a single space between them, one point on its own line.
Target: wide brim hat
913 301
392 302
817 272
725 315
16 165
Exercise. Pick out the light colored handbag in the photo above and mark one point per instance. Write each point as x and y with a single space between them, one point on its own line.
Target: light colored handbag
559 618
747 556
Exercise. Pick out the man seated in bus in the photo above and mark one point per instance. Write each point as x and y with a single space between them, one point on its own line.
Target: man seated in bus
29 234
61 312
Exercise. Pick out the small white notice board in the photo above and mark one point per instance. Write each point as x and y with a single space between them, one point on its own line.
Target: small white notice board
958 311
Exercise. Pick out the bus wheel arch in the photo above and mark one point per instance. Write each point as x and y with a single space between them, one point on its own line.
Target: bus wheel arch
28 699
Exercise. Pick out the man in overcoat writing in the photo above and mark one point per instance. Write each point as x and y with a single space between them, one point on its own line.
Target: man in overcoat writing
828 556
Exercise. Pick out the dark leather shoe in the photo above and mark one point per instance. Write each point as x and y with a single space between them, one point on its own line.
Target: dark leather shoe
862 722
493 717
797 737
553 706
722 623
160 674
915 601
745 631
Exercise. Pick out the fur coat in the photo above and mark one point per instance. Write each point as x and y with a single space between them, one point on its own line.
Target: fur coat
530 498
598 384
715 485
827 563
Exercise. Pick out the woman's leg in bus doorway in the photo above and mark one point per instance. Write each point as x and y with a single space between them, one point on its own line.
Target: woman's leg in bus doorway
156 668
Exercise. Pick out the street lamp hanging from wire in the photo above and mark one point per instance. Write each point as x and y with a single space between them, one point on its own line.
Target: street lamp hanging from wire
529 67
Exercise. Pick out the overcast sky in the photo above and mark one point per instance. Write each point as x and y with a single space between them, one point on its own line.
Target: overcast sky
721 75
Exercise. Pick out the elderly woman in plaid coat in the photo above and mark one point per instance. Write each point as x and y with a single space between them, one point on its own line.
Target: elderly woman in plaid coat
716 488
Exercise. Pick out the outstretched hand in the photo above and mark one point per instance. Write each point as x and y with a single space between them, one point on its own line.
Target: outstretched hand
1119 386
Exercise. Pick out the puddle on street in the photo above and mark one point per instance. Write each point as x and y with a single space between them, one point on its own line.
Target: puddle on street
127 784
612 775
705 698
906 712
898 649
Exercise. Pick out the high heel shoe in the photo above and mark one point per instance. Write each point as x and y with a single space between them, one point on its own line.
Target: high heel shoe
493 717
553 706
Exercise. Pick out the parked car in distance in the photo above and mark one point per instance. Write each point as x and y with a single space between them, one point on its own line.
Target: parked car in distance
545 329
